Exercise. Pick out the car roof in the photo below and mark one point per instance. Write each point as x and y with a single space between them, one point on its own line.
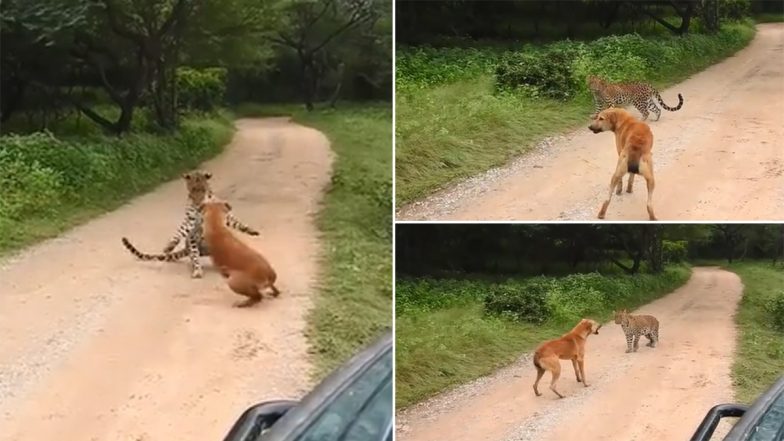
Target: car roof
747 424
294 421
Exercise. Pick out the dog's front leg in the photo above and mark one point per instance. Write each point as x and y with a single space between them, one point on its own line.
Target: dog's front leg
582 371
576 370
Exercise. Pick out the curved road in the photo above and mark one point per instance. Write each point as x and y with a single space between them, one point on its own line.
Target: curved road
653 394
719 158
98 346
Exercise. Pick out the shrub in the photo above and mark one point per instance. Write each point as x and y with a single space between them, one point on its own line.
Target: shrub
427 66
674 251
545 73
201 89
734 9
776 309
42 173
526 302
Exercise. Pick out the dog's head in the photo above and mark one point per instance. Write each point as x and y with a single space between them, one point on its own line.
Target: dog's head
592 326
605 120
212 204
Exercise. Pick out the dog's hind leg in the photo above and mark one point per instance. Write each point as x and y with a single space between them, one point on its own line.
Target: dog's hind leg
556 371
243 285
615 182
539 373
646 170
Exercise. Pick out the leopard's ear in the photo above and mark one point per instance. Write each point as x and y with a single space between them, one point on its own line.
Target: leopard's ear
207 175
186 176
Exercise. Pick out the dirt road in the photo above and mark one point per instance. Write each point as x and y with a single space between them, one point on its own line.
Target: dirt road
654 394
720 157
98 346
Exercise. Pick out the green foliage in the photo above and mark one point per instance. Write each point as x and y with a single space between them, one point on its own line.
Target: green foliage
568 299
734 9
426 66
201 89
760 346
544 73
675 251
52 182
776 309
525 302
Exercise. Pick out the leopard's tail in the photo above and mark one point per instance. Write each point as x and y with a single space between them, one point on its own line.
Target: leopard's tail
671 109
170 257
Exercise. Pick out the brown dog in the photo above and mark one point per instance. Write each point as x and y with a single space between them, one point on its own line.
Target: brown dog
247 271
634 142
571 346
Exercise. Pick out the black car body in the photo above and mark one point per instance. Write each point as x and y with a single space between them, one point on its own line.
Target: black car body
353 403
762 421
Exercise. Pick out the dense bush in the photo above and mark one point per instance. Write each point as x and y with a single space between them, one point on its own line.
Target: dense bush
431 294
546 73
675 251
427 66
776 309
42 173
558 70
734 9
538 299
201 89
526 302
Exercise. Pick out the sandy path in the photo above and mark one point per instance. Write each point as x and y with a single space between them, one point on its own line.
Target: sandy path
654 394
720 157
99 346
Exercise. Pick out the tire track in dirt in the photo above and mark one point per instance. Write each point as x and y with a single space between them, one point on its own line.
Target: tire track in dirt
97 345
660 393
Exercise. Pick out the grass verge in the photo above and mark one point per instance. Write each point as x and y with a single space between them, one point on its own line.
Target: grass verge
759 361
355 299
446 337
453 122
51 182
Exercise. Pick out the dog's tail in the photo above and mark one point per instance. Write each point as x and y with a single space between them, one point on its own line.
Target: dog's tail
633 162
671 109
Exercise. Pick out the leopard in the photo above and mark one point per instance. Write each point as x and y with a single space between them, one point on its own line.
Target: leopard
198 186
639 94
635 326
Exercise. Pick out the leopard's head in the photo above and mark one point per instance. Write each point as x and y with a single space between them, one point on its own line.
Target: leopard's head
198 184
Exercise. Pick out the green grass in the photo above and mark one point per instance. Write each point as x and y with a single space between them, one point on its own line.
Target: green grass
355 297
453 123
443 343
52 182
769 18
760 353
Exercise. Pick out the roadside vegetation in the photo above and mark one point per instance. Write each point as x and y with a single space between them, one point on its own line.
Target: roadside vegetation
489 293
471 97
760 318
